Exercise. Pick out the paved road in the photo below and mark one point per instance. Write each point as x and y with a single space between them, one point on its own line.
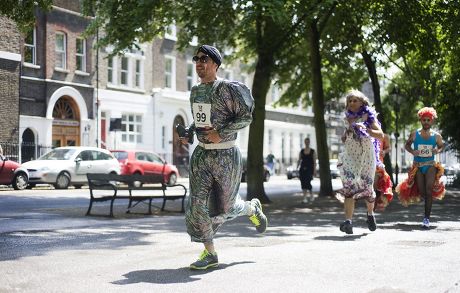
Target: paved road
47 245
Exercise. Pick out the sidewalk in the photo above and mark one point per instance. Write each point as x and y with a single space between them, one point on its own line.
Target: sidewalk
302 251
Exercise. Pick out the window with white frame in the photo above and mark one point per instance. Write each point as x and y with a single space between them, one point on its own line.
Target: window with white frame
170 72
127 70
131 128
171 32
191 75
60 51
137 73
30 46
110 70
124 71
80 54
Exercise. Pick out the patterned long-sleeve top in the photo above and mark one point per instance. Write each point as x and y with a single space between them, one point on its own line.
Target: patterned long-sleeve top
223 105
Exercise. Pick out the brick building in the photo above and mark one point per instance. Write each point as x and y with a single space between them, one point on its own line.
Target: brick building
56 92
10 63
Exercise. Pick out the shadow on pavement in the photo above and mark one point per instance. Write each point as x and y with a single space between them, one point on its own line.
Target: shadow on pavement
285 212
170 276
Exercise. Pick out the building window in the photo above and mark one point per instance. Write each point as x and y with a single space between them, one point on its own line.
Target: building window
124 71
110 70
131 128
137 74
191 75
170 72
60 51
80 54
30 47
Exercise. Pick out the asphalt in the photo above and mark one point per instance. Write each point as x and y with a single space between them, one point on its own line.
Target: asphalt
59 250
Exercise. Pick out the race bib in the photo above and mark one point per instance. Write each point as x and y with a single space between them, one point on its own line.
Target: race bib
426 150
202 114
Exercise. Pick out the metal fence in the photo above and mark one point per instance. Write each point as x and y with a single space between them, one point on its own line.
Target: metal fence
23 152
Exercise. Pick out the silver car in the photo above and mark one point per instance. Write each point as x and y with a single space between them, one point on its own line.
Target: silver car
66 166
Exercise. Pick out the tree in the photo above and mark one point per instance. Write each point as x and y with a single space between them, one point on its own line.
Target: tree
23 12
246 26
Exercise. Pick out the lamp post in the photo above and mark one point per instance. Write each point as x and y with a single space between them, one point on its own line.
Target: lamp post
396 99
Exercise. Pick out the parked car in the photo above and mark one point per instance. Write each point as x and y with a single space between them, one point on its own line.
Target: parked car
266 171
11 173
292 172
66 166
333 167
145 163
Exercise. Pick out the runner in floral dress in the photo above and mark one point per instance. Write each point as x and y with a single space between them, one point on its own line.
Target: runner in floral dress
359 159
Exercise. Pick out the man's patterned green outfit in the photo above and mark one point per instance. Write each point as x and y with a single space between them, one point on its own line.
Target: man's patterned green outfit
215 174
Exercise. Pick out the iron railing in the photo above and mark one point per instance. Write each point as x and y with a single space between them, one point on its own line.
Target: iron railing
23 152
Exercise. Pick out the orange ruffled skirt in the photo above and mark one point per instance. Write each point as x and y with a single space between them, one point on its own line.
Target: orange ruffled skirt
408 192
384 188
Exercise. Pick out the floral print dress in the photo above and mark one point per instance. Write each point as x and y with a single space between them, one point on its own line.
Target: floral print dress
357 164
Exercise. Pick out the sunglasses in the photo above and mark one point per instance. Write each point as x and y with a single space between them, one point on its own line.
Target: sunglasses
426 120
202 59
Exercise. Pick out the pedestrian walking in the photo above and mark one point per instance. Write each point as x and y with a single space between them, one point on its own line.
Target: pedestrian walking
358 161
220 109
382 182
307 169
423 181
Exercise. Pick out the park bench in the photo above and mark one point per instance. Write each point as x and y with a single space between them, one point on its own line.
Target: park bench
140 188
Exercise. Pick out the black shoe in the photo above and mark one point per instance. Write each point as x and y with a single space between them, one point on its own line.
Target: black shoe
346 227
371 222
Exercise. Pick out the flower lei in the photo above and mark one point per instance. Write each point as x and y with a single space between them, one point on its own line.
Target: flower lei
360 132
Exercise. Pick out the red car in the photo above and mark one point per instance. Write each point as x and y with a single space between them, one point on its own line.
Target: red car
145 163
12 174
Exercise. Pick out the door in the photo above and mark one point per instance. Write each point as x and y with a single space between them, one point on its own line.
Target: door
101 163
83 165
66 123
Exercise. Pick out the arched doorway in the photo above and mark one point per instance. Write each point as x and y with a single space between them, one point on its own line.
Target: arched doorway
66 122
180 151
28 146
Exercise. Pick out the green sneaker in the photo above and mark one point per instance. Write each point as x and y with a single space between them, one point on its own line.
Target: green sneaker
258 219
205 261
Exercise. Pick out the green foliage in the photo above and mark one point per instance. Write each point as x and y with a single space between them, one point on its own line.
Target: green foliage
22 12
127 23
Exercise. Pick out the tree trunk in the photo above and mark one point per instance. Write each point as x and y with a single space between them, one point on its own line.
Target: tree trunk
372 70
255 163
318 110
